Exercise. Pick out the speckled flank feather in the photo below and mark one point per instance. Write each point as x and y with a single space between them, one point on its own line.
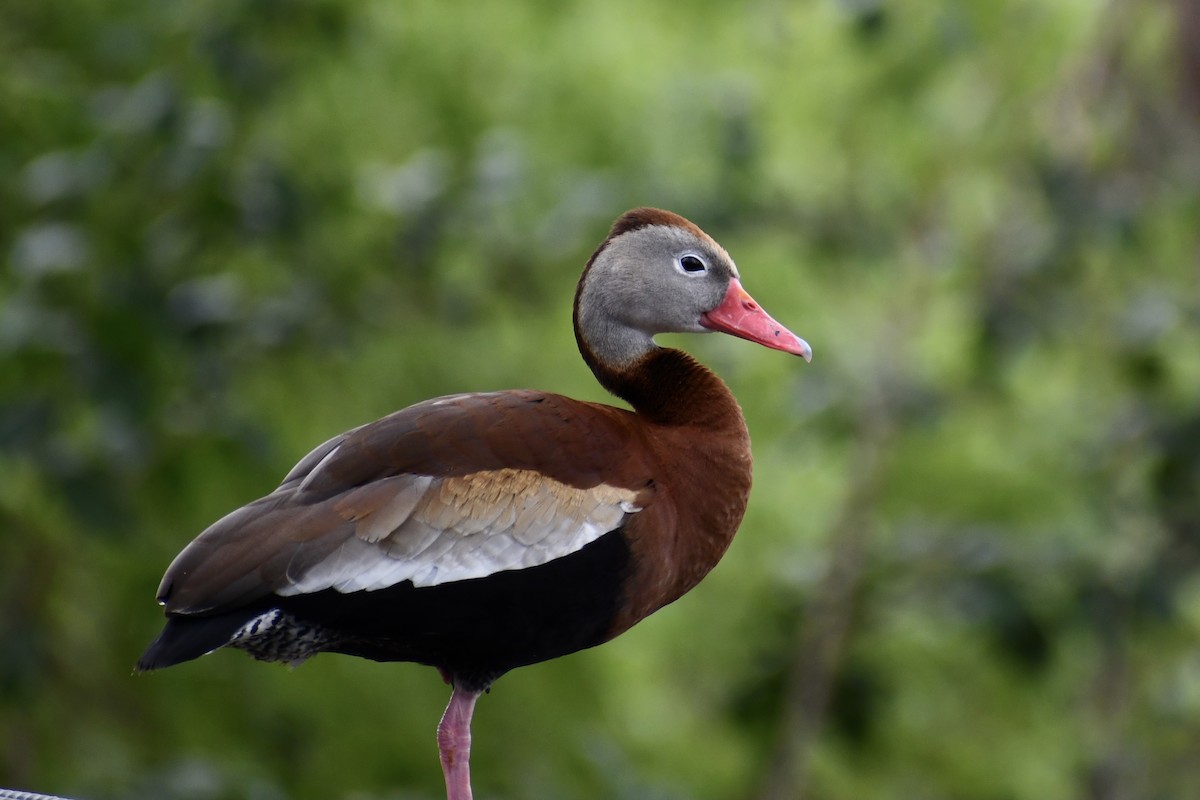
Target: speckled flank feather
278 636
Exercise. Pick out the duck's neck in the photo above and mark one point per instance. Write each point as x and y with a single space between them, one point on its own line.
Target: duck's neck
669 387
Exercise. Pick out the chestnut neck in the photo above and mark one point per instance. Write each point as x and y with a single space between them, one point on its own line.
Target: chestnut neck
669 387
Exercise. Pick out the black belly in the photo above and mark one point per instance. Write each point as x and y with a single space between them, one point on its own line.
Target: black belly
473 630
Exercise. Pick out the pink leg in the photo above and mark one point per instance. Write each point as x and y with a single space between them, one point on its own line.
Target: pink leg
454 743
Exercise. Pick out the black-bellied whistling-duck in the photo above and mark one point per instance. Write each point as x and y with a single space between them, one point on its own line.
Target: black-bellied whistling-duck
481 532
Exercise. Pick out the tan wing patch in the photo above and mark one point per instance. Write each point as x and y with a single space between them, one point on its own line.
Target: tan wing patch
526 503
438 530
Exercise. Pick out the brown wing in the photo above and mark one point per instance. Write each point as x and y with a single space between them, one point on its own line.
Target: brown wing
449 489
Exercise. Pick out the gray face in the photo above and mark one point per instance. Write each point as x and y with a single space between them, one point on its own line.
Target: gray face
656 279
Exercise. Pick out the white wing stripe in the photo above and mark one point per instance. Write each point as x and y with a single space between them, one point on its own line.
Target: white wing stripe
435 531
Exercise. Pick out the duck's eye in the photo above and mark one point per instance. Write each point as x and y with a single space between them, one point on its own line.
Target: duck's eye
692 264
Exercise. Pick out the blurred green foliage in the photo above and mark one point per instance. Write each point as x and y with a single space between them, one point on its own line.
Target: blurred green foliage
971 566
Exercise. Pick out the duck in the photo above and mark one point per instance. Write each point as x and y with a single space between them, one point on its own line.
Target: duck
477 533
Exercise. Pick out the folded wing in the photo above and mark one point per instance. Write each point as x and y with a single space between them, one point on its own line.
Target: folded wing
449 490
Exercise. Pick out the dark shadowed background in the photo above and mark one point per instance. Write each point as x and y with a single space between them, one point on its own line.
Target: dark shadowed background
971 564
